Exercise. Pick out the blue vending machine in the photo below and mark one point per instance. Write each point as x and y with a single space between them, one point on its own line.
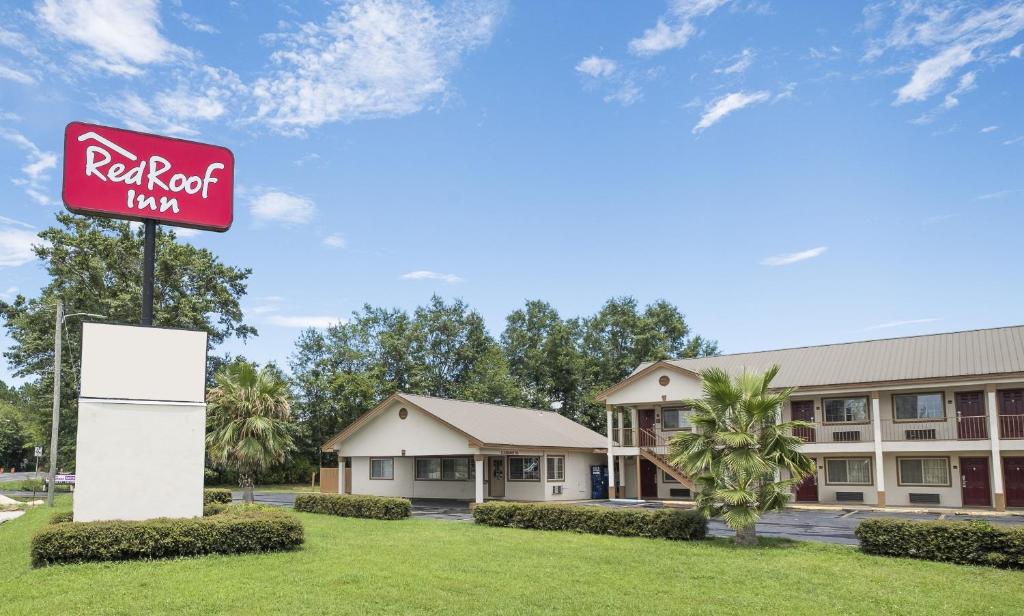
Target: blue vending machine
598 481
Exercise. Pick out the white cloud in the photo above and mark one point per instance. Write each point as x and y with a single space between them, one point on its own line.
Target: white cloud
1000 194
724 105
1014 140
951 36
122 35
195 24
740 64
371 58
334 240
989 129
428 275
596 66
675 28
10 293
276 206
793 257
625 95
17 76
303 321
185 232
16 246
892 324
201 94
35 172
1017 51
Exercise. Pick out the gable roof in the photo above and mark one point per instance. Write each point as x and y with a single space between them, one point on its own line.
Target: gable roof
491 425
642 371
979 352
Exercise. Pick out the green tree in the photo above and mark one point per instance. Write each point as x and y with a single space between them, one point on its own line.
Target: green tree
95 265
738 449
15 440
247 421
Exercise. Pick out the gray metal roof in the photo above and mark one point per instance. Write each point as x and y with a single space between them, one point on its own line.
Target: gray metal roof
935 356
494 424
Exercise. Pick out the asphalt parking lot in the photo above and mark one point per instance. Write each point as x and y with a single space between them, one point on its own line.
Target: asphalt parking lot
828 526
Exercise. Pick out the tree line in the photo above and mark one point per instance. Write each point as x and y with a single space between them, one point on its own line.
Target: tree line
540 359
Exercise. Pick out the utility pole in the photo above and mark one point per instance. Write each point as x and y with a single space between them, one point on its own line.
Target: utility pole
56 402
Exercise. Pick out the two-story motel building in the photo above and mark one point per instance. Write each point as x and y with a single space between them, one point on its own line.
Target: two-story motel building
935 420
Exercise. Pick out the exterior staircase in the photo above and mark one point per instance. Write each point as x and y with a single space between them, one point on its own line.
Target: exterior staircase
654 448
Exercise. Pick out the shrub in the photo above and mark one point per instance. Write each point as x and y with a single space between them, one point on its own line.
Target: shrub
677 524
216 495
233 531
60 517
965 543
350 506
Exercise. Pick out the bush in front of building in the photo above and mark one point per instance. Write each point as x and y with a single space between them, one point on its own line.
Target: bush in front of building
233 531
60 517
667 523
216 495
352 506
965 543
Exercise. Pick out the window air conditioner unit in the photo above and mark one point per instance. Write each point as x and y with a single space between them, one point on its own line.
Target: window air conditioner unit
921 434
850 497
556 490
924 499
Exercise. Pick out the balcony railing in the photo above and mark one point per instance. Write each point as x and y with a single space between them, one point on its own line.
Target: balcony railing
836 433
1011 426
626 440
970 428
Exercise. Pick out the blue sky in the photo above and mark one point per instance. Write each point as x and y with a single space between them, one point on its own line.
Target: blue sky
786 173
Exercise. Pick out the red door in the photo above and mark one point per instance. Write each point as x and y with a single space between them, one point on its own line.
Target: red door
645 417
807 491
648 479
1013 476
803 410
974 482
971 422
1011 413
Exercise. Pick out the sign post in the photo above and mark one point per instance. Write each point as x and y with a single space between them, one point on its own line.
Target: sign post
148 178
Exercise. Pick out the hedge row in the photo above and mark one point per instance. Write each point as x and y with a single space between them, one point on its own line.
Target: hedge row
216 495
677 524
966 543
234 531
351 506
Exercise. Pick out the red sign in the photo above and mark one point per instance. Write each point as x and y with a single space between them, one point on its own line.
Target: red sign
125 174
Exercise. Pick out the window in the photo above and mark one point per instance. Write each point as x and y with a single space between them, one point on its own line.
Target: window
666 478
382 468
923 471
911 407
455 469
556 468
428 469
846 410
445 469
675 418
523 468
848 471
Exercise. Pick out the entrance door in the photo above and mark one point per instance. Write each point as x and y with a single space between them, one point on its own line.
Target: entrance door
648 479
971 422
974 482
807 491
803 410
1011 413
645 417
496 477
1013 476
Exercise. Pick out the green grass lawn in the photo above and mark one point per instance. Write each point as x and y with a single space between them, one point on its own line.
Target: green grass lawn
437 567
277 487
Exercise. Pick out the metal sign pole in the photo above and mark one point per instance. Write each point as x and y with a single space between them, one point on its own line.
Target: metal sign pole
148 258
55 425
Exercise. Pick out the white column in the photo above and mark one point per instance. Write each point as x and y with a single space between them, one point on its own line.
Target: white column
622 429
478 461
341 474
992 408
876 429
611 456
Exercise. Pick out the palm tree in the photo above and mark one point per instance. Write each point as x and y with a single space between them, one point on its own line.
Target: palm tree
247 421
738 448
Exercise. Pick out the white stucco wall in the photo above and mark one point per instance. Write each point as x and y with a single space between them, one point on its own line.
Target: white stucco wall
418 434
681 386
